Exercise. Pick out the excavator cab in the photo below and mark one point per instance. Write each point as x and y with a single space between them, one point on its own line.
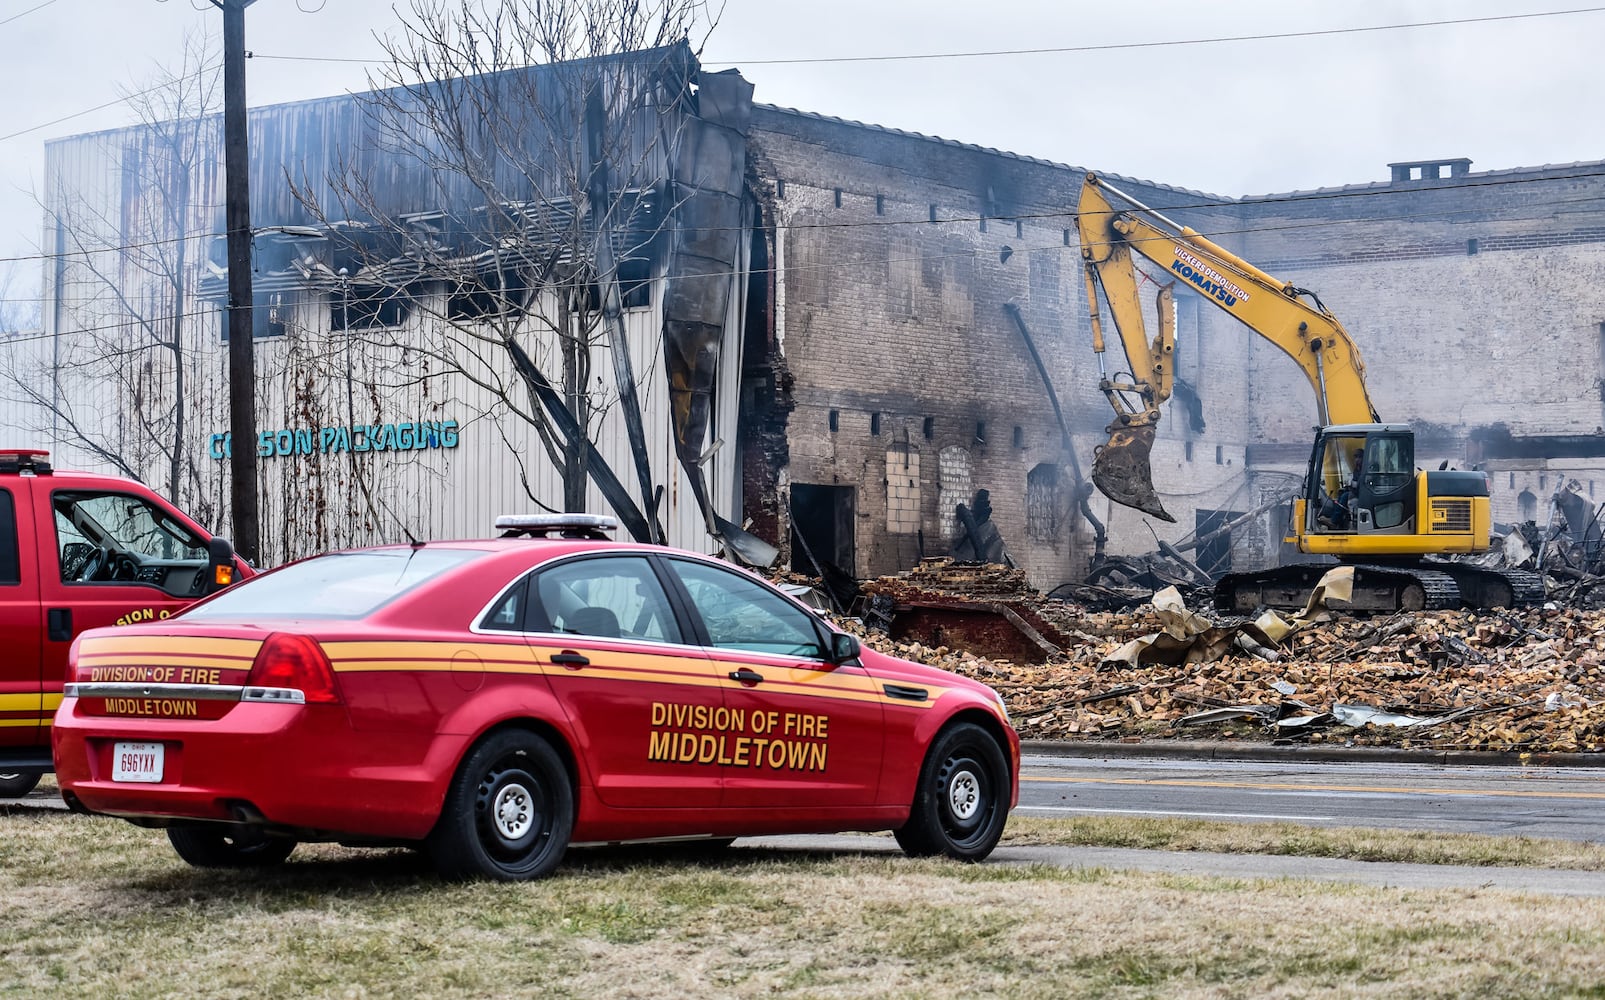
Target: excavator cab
1362 480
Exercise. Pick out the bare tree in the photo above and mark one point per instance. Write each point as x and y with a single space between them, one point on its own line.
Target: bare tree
115 380
516 194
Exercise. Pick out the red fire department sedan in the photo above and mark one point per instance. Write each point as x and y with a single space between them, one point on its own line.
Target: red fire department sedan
496 700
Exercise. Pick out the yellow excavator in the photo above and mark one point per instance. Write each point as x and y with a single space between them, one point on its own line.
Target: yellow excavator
1362 500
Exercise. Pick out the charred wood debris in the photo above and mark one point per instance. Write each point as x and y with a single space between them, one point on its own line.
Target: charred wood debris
1135 654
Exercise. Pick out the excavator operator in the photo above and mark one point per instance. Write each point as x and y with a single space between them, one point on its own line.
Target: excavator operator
1336 512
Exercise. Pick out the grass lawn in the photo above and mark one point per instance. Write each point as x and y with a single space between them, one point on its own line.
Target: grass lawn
96 907
1353 843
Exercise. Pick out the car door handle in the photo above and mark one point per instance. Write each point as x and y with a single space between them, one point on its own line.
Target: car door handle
58 624
570 659
746 676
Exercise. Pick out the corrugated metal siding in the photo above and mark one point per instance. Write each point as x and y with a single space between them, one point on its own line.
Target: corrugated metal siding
314 377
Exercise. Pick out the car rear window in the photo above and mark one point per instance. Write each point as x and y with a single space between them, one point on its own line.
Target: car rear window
336 585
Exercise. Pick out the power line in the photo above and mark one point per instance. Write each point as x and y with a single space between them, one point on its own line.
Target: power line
1118 46
164 85
891 58
1056 50
30 10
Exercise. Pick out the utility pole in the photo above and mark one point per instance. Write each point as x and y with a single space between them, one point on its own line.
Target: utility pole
241 355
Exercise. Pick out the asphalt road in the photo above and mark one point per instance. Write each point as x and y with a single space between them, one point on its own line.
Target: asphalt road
1567 803
1546 802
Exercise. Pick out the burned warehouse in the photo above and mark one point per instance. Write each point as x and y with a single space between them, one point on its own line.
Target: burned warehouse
630 287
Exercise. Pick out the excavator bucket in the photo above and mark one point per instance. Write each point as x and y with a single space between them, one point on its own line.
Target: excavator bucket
1121 470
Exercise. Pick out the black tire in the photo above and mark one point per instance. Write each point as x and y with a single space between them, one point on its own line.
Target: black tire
222 846
962 799
508 812
15 785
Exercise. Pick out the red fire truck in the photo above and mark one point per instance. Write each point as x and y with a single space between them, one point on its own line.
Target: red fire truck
80 551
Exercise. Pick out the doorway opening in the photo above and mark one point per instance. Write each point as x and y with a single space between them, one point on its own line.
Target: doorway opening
821 528
1214 556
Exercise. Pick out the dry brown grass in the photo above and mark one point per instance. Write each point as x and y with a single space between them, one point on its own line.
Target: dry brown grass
1354 843
95 907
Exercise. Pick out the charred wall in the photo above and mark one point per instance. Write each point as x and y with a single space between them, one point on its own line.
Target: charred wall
895 255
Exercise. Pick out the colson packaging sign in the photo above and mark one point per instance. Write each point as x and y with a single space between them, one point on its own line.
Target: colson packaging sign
417 436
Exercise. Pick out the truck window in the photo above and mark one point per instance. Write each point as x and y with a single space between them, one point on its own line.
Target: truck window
115 537
10 564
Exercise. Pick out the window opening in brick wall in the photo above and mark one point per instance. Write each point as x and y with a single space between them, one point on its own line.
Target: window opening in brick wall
1187 449
780 189
1512 480
1019 229
983 223
1067 237
880 204
953 487
1019 437
1042 503
1220 455
1543 481
902 489
838 197
1471 247
835 420
875 424
1526 506
933 213
980 432
928 428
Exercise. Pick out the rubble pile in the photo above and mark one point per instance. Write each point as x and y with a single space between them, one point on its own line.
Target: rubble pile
1527 680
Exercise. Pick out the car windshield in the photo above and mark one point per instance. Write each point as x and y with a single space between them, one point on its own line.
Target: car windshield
336 585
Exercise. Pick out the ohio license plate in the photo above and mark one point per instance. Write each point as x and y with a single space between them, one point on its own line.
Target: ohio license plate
137 761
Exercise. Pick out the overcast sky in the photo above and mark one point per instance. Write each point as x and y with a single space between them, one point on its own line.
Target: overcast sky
1230 117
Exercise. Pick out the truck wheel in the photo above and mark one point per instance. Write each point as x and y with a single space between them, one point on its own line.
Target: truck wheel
228 846
15 785
508 812
962 799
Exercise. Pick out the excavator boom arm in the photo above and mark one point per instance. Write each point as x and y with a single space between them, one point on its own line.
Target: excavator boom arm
1113 227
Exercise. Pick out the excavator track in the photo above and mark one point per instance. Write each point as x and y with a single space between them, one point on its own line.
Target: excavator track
1493 588
1376 588
1427 586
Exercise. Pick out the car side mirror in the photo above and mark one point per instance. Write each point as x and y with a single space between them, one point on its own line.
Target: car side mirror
220 569
843 647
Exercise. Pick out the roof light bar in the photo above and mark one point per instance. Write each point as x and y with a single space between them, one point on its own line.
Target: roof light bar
25 460
561 525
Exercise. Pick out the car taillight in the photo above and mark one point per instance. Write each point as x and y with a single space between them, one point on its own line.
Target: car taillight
75 671
296 662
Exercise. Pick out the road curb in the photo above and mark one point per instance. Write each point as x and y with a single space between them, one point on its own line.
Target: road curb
1209 750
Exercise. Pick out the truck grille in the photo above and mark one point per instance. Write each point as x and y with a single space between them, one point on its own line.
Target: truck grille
1451 515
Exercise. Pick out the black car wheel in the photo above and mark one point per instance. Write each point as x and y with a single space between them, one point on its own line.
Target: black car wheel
15 785
961 801
508 813
228 846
